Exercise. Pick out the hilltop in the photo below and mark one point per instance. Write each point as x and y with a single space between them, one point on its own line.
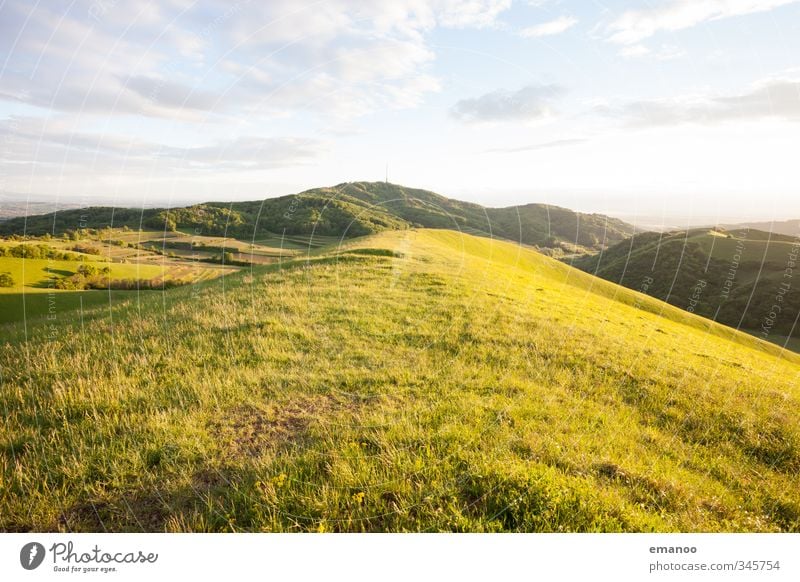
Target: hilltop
349 210
735 277
409 380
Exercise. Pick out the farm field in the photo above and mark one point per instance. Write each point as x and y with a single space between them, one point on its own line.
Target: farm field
34 290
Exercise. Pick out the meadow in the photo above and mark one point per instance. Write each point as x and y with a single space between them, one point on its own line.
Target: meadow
415 380
140 258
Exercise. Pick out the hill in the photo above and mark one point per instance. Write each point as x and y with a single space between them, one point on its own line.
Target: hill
414 380
349 210
743 278
14 207
785 227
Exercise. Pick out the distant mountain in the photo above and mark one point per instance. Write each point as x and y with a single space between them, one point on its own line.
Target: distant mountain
15 208
787 227
348 210
745 278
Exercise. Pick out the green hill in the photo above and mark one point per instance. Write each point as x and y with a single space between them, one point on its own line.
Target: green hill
736 277
411 380
786 227
349 210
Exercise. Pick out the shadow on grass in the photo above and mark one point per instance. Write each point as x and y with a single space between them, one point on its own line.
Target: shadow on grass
16 307
151 511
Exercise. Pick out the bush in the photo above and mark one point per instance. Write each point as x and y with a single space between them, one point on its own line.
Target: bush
87 270
88 249
6 280
73 283
37 251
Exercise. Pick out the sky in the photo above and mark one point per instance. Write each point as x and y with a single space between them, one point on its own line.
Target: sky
663 110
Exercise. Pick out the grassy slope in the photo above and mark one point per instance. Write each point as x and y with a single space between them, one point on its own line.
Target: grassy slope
416 380
750 264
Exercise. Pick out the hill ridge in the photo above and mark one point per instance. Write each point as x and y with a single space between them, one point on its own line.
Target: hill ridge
351 209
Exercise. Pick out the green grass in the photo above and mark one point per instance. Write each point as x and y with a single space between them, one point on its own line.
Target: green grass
36 275
407 381
33 295
732 277
755 246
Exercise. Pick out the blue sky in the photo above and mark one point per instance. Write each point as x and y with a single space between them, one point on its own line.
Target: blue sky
674 109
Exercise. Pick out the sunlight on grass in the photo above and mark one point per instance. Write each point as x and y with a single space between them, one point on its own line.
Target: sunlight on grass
406 381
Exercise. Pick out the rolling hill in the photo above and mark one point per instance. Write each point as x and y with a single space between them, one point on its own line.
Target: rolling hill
349 210
785 227
743 278
409 380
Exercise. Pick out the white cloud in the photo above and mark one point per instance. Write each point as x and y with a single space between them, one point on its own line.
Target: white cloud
556 143
636 25
470 13
774 98
634 51
194 61
527 104
53 148
665 53
550 28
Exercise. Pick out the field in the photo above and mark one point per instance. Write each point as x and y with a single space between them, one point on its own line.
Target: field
417 380
142 258
34 275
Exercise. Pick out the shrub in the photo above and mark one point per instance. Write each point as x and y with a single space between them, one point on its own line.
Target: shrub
88 249
6 280
87 270
73 283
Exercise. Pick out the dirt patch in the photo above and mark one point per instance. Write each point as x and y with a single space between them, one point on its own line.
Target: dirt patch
248 430
130 512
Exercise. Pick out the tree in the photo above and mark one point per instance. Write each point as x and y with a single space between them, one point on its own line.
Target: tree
227 258
6 280
87 270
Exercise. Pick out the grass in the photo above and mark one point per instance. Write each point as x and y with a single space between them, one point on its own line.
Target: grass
34 295
733 277
755 246
36 275
407 381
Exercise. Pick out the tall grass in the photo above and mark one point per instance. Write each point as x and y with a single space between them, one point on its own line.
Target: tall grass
408 381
